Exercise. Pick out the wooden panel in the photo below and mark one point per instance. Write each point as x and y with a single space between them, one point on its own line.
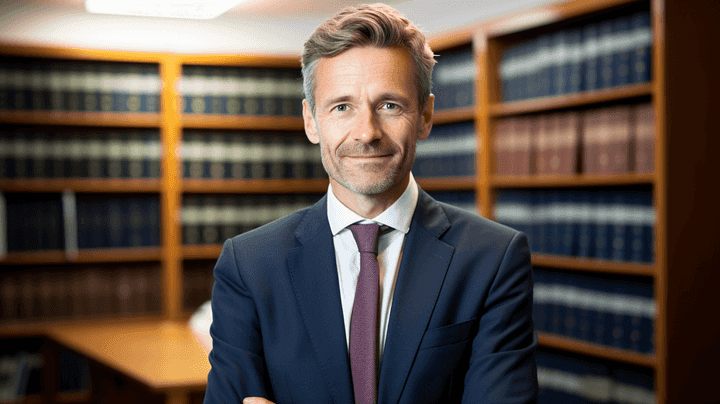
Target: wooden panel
454 115
81 54
256 186
571 100
67 118
201 252
593 265
447 184
577 180
241 60
598 351
100 255
83 185
241 122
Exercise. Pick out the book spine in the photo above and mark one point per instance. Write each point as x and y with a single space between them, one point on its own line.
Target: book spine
3 226
640 60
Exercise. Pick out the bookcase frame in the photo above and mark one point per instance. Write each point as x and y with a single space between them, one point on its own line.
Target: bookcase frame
684 274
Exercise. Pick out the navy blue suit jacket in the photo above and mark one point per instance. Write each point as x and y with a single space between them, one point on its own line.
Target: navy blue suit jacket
460 326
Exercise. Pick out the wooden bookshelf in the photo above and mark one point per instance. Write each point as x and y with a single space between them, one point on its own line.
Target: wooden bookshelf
68 118
255 186
454 115
593 265
598 351
235 122
201 252
81 185
574 181
604 96
91 256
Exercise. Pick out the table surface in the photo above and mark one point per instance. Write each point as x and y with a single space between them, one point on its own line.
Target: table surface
163 355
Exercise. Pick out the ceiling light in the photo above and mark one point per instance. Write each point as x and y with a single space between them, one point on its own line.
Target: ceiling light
202 9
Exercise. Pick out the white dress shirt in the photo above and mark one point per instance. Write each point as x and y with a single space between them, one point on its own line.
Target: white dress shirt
398 216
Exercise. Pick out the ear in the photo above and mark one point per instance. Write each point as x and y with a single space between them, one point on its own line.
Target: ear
426 118
310 125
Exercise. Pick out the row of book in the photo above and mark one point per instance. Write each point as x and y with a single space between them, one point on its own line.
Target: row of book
80 292
453 80
613 312
449 151
596 55
250 155
198 282
609 140
461 199
576 380
97 153
230 90
73 85
596 223
49 221
211 219
117 222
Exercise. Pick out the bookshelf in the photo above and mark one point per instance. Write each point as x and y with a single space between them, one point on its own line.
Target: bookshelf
684 345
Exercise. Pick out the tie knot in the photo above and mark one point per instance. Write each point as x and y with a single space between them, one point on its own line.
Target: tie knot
366 236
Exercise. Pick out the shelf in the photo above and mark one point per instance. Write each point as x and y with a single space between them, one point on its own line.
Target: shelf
39 327
575 180
594 265
598 351
67 118
454 115
201 252
85 185
71 397
447 183
256 186
570 101
243 122
90 256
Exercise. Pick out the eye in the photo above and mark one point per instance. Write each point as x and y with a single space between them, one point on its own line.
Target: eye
390 105
341 108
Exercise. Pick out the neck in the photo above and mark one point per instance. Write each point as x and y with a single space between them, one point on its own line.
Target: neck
369 206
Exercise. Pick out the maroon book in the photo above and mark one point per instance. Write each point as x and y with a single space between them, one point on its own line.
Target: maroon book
644 138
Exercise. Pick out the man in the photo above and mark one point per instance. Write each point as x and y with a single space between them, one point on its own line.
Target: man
298 316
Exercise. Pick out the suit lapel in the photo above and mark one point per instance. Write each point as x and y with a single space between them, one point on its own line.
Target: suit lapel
422 271
314 277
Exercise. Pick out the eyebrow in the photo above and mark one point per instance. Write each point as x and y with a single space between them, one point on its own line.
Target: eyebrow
387 96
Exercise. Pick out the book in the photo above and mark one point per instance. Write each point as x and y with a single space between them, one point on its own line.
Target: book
620 137
644 138
640 47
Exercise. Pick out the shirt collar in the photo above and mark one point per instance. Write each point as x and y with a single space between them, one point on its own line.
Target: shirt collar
398 215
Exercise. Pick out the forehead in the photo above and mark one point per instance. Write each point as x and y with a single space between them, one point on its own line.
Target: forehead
366 69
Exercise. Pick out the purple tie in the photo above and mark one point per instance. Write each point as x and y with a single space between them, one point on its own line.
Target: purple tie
363 324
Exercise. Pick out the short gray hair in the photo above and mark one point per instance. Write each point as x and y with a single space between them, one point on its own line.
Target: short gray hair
367 25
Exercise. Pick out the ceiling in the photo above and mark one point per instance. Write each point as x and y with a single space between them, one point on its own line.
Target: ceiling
255 26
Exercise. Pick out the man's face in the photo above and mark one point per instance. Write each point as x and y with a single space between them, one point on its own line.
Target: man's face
367 119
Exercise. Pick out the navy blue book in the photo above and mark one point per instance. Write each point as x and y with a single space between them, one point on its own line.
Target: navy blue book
572 69
116 221
621 55
561 57
603 225
636 383
608 47
640 58
591 62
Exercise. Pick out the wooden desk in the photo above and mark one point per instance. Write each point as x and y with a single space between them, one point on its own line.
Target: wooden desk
163 356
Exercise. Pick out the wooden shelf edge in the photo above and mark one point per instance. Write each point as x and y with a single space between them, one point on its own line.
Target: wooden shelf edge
256 186
243 122
39 327
84 185
454 115
69 118
200 252
71 397
593 265
595 350
575 180
503 109
100 255
447 183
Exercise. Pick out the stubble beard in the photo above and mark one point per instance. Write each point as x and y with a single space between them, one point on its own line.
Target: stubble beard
340 174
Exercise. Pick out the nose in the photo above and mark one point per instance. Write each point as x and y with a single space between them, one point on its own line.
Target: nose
367 127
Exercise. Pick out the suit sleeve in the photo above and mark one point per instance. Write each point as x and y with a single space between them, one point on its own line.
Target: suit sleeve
237 360
502 365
